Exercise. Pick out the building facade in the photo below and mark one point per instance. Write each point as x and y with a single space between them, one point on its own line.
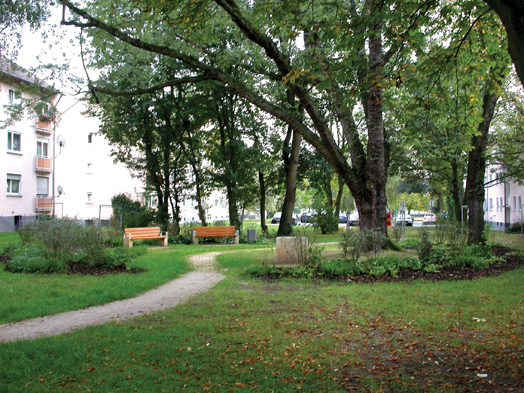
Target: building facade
53 161
504 198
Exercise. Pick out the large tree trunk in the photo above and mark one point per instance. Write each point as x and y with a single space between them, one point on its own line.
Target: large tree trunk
262 184
376 140
234 220
475 192
340 192
285 228
511 13
456 191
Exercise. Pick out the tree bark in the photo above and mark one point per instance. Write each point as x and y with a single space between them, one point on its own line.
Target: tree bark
285 228
262 184
511 13
475 191
376 137
338 200
456 191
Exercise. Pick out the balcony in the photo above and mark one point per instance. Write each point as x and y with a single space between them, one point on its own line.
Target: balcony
43 164
43 204
43 127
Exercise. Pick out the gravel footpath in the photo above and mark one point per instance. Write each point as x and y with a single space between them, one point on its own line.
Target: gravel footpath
164 297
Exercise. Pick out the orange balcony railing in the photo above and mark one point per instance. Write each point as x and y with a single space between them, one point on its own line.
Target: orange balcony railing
43 204
44 127
43 164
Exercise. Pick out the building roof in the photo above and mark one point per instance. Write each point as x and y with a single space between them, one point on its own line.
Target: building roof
11 70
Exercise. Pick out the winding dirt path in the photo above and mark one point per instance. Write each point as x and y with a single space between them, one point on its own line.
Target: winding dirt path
166 296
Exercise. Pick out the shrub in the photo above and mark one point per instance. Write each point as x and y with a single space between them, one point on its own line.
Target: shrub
66 241
396 232
34 258
424 248
180 239
308 251
352 244
132 213
325 220
373 240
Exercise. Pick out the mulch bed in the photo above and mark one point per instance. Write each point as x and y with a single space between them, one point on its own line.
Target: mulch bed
84 269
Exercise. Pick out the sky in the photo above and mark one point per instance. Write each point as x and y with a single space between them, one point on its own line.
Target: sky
53 44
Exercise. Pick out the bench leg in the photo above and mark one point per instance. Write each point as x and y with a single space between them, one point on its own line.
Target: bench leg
237 239
195 240
162 242
128 243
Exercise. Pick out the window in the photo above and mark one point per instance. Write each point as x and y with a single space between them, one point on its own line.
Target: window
514 204
42 186
520 204
42 148
89 168
14 184
491 204
14 141
89 197
15 97
89 138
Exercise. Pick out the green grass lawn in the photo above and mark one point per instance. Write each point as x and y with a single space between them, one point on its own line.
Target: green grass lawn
285 336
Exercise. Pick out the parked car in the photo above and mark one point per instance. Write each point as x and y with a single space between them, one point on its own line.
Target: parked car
278 215
404 218
429 218
276 218
353 218
306 218
342 218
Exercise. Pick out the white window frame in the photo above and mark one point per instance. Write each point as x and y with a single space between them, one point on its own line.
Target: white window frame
42 142
10 142
39 192
12 179
514 203
15 97
89 197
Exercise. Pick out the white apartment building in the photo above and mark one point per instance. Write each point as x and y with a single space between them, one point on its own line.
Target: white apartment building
59 166
503 205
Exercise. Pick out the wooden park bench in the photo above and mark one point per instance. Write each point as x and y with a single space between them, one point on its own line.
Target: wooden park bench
132 234
214 232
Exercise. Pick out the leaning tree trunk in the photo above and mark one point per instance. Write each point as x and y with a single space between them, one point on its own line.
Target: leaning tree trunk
338 200
475 192
285 228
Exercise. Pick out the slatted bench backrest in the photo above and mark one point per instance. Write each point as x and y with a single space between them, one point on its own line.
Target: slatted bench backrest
215 231
142 233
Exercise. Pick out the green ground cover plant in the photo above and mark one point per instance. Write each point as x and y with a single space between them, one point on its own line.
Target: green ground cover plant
287 336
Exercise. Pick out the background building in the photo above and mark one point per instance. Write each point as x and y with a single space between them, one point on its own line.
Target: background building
503 200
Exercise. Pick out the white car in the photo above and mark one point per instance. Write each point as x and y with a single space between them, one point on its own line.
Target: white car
429 218
404 218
